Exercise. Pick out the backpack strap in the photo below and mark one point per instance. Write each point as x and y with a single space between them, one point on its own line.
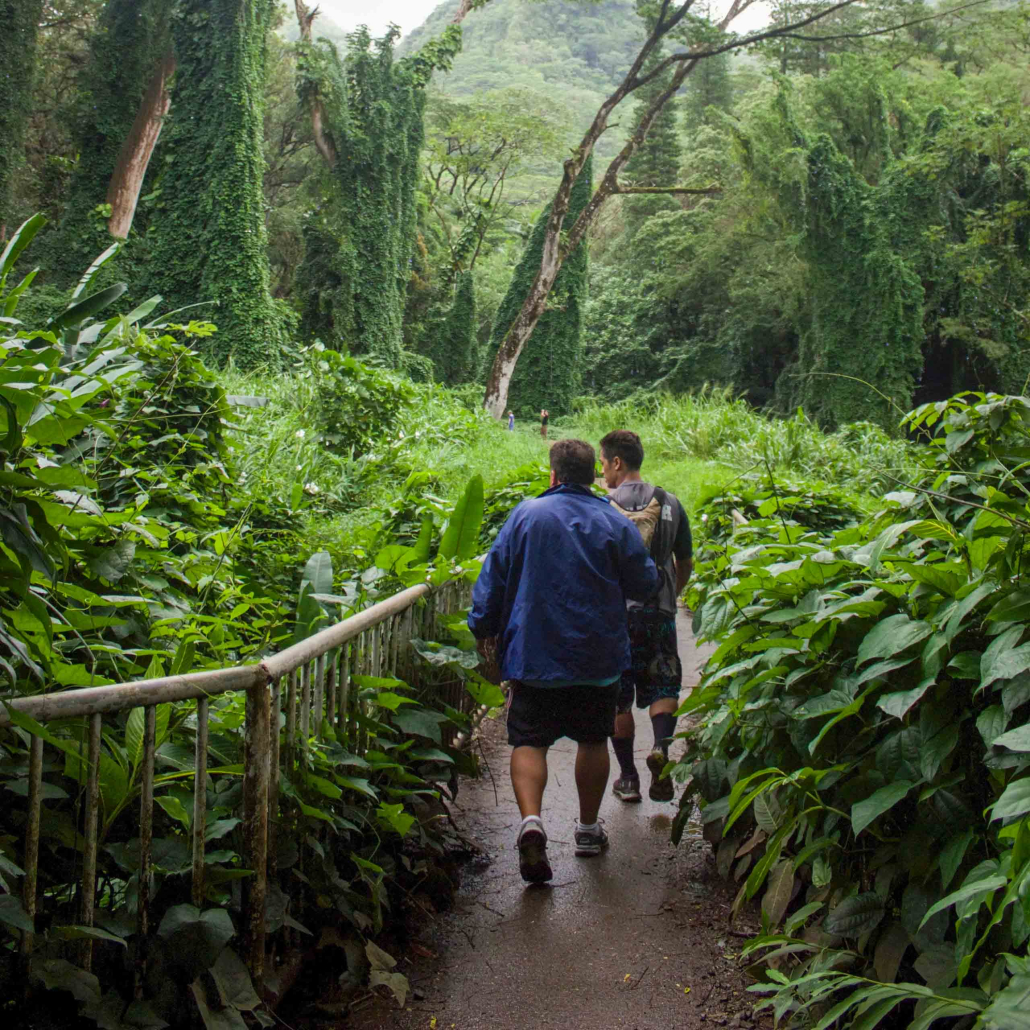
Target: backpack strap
662 498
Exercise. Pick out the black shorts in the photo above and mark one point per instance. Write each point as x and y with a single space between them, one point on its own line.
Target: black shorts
538 716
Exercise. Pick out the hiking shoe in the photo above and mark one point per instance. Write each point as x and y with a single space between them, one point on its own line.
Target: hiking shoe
533 864
627 788
591 842
661 790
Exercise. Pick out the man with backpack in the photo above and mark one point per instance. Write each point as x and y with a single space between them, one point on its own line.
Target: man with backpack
656 674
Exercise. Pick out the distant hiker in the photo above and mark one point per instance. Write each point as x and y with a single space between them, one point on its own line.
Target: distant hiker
551 600
656 673
511 421
544 416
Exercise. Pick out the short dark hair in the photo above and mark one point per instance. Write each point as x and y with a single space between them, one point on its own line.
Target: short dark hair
622 443
573 461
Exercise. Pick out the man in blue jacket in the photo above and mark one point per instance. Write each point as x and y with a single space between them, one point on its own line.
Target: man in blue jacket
551 599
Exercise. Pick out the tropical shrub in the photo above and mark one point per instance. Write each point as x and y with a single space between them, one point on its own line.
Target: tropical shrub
354 402
863 735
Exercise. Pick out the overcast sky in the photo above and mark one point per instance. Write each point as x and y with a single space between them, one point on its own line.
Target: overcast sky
409 14
377 14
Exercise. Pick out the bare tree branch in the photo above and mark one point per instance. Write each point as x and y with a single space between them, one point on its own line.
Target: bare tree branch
707 191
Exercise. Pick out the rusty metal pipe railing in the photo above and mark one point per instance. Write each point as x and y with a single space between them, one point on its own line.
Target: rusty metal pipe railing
319 675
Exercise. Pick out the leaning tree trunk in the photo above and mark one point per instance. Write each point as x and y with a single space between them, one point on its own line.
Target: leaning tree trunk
134 157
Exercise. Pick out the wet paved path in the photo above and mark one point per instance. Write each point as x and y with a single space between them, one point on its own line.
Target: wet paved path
635 938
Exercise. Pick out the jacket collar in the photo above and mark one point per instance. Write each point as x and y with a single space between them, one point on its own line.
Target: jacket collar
574 489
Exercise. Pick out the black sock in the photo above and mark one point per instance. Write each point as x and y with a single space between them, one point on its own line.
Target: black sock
623 748
664 726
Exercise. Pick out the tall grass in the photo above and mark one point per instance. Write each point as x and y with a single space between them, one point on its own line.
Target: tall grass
713 427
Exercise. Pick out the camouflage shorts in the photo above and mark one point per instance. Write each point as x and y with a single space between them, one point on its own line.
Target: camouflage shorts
656 671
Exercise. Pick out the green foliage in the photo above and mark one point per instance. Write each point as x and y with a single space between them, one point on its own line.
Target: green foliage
359 246
863 729
872 224
861 458
354 402
548 371
20 19
209 228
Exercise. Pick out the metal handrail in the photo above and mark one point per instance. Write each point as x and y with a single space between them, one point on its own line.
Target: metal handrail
115 697
317 672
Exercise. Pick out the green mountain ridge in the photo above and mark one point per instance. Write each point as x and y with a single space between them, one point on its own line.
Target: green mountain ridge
572 52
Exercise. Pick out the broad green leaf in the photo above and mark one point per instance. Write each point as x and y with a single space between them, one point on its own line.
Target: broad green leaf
944 580
395 817
899 703
234 982
1014 801
19 240
1001 661
175 808
484 692
1015 740
778 892
892 635
75 314
134 727
968 890
991 723
855 916
360 785
198 936
420 722
388 699
82 933
12 913
937 966
424 542
936 749
94 269
1010 1008
461 537
864 812
953 854
890 950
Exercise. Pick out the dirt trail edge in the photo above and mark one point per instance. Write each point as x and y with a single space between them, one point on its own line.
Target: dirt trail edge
635 938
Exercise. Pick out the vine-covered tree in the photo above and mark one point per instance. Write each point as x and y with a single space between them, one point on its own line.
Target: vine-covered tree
20 25
367 114
549 374
452 344
209 239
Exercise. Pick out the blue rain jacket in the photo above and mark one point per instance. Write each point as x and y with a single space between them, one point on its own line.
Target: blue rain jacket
554 587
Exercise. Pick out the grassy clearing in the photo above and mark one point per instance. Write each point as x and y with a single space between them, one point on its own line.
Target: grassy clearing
694 445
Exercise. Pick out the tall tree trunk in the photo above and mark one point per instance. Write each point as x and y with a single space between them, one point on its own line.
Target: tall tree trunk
131 166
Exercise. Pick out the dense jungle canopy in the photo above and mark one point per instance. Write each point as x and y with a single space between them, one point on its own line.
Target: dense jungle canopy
867 215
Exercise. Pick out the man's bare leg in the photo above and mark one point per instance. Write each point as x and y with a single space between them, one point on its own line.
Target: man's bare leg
592 768
529 778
